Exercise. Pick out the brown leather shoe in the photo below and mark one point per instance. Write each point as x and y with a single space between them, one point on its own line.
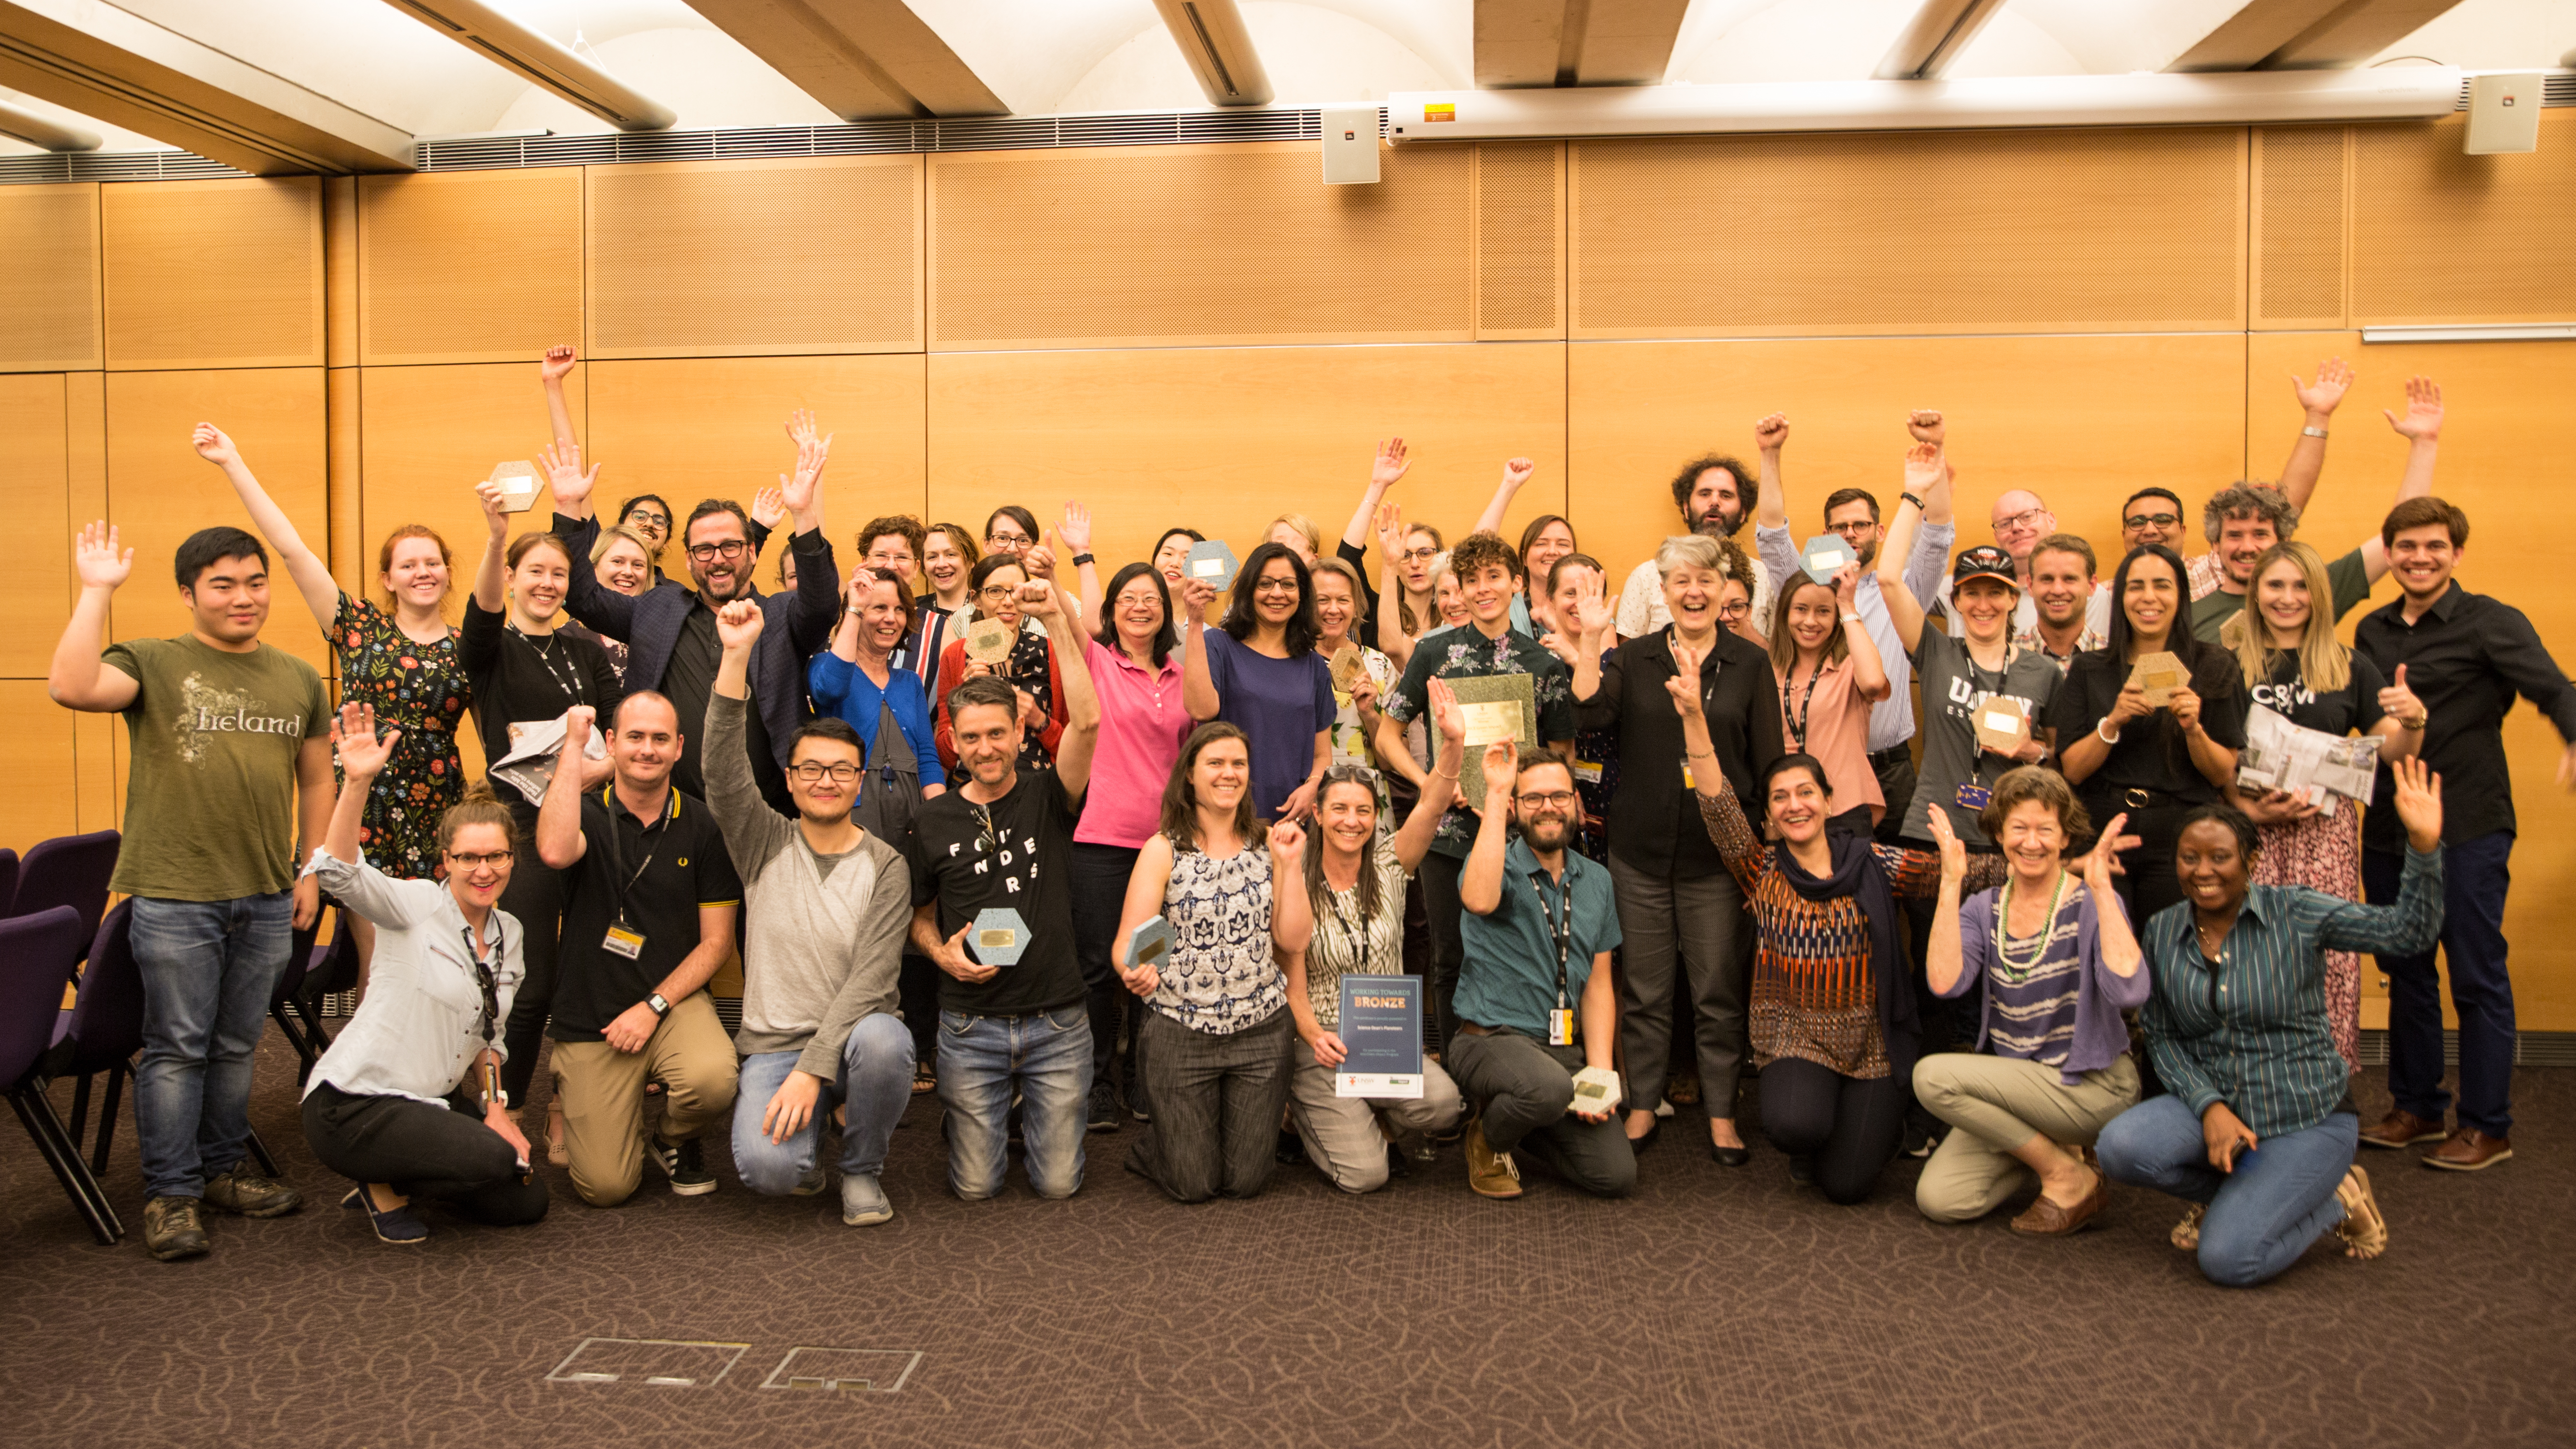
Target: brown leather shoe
2046 1219
2401 1128
1490 1173
2469 1150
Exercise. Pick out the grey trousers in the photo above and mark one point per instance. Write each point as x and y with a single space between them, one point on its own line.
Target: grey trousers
1341 1133
1697 924
1217 1101
1525 1086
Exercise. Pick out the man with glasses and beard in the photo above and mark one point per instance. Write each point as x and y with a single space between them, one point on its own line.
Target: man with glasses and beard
670 629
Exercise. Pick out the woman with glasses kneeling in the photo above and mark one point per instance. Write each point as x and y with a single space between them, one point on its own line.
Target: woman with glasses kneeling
408 1102
2259 1131
2060 964
1355 880
1214 1045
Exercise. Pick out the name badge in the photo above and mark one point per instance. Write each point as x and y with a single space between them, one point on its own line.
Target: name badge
1560 1027
1689 782
1974 797
623 941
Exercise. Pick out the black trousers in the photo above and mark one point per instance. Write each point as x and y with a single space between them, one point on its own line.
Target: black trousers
1099 877
2149 884
1441 906
535 897
1847 1127
436 1153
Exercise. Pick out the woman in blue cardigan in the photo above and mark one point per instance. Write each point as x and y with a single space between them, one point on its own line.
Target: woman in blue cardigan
857 680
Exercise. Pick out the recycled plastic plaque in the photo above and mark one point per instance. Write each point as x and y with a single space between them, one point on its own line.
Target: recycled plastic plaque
1000 937
1150 944
2159 675
989 641
1825 556
1212 563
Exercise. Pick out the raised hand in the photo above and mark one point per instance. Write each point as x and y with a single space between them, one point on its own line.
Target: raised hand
577 723
801 430
2423 420
558 363
98 559
2103 861
738 625
1039 560
362 753
1499 773
1390 465
496 518
768 507
1954 851
1771 432
1287 846
564 474
2419 802
213 446
1926 426
2400 702
1446 716
1196 595
1558 645
1037 596
1390 531
2334 379
1075 531
797 490
1517 471
1922 468
1593 616
1846 587
1684 685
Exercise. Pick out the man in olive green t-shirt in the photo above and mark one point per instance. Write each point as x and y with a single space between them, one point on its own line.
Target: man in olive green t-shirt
226 733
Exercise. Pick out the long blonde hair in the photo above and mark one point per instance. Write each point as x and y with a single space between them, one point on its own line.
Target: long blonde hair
2325 665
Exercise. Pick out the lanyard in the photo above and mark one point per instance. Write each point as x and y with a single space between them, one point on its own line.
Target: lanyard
1359 939
617 848
570 685
1977 677
1560 924
1797 723
483 977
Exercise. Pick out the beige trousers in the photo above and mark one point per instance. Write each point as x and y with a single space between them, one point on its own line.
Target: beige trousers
1996 1104
602 1091
1341 1133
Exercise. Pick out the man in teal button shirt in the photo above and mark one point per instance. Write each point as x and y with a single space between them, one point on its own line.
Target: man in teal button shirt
1537 932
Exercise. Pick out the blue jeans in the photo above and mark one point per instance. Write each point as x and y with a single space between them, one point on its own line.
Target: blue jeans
1046 1055
875 1083
2475 875
209 968
2263 1215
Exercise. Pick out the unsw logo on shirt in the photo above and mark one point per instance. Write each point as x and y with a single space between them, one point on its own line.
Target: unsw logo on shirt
1966 698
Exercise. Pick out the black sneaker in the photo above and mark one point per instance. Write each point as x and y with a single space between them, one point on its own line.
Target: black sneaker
684 1163
171 1229
1105 1108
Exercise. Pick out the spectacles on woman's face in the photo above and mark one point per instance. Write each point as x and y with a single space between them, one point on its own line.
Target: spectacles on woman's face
812 771
709 552
1006 540
1421 553
1730 613
1274 586
477 862
998 591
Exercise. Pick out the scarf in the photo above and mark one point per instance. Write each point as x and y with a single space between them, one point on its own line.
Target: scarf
1856 872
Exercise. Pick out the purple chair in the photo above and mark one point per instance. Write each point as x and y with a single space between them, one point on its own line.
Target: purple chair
313 972
68 870
8 880
37 954
103 1030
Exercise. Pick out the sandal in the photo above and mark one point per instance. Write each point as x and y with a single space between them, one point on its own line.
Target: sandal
924 1078
556 1152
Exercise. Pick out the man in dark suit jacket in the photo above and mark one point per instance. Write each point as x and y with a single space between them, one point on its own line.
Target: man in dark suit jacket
670 630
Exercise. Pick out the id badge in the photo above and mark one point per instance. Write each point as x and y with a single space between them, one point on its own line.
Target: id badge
1560 1027
625 942
1974 797
1689 782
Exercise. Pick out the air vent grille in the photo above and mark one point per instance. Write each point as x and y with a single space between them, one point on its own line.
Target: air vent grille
112 166
874 138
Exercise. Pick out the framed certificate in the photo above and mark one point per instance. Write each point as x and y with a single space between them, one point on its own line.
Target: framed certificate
1497 707
1382 1028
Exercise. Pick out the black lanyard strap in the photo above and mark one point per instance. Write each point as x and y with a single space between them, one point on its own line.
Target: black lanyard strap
622 879
1560 924
490 1016
566 679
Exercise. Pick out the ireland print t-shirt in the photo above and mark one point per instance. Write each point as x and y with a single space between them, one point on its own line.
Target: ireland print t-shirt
210 805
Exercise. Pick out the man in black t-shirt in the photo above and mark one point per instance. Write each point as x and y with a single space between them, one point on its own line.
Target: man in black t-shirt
649 902
1003 841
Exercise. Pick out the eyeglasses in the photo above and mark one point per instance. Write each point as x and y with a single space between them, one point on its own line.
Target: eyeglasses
708 552
1552 800
649 519
1274 586
1851 529
811 771
2027 518
1734 611
476 862
998 540
1351 775
997 591
2151 520
1420 555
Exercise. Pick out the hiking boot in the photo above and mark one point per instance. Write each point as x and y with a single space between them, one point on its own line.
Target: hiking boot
247 1193
684 1163
171 1230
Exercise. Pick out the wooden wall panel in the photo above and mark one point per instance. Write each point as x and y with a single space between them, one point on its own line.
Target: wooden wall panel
214 273
340 270
1913 232
2081 420
49 308
35 482
469 266
746 258
1224 441
427 435
2300 198
2439 236
714 429
97 738
40 802
1148 245
1520 241
2506 403
159 491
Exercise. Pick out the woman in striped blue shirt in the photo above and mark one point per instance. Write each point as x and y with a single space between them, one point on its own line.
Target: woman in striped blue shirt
2259 1130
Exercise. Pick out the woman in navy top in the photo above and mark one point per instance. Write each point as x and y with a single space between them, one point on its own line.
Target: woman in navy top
1259 672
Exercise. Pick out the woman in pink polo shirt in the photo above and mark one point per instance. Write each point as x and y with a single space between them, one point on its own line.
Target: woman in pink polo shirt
1136 668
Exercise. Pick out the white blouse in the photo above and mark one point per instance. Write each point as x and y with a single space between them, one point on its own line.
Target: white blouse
421 1024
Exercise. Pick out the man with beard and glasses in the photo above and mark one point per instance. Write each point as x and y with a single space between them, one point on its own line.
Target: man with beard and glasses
1714 495
670 630
1852 515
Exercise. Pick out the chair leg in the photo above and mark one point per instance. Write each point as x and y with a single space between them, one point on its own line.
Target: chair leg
107 1103
80 1107
286 1025
259 1154
317 1041
37 1115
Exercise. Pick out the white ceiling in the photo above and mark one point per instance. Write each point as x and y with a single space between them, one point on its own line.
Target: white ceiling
1062 56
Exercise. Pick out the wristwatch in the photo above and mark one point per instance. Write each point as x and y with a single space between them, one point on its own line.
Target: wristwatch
660 1006
1910 498
2312 432
1082 558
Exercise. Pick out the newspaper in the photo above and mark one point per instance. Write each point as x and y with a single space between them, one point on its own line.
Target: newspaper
535 746
2316 766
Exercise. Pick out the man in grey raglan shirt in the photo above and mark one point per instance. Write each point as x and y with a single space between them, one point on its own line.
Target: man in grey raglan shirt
828 905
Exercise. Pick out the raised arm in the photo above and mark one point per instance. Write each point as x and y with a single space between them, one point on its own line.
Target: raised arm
1292 913
312 576
1390 464
1594 623
491 590
1943 959
1081 701
802 490
552 372
2422 430
1480 884
1440 786
1075 532
2317 402
1198 687
1923 472
1771 503
1516 471
78 678
1720 813
1869 672
362 752
559 839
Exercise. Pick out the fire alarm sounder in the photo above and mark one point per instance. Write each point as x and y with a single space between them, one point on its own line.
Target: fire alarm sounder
1350 145
2504 113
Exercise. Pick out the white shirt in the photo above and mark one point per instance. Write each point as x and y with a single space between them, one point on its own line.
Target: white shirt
415 1033
1891 720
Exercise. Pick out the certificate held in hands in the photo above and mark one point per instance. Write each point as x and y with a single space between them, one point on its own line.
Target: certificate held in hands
1496 707
1382 1031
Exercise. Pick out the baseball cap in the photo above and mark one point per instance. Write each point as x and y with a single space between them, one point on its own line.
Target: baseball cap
1984 561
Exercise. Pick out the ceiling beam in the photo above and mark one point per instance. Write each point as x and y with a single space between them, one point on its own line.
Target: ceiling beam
122 69
45 131
1218 47
1935 38
1574 42
2307 34
861 59
514 45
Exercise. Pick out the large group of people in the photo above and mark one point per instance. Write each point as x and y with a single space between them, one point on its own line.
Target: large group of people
1942 854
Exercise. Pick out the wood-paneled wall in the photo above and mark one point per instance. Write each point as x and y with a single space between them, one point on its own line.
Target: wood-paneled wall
1206 335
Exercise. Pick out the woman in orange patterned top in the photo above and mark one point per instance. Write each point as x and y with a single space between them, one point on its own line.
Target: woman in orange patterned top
1833 1023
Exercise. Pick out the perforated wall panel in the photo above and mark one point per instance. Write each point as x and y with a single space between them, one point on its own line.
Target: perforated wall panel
2439 236
1520 240
2299 225
49 312
470 266
213 273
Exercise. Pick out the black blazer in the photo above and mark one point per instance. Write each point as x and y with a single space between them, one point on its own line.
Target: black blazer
1654 824
798 625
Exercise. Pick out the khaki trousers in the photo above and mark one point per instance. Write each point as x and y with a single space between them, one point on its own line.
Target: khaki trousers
1341 1133
1997 1104
602 1090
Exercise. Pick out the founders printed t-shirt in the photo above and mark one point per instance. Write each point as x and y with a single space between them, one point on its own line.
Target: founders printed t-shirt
210 808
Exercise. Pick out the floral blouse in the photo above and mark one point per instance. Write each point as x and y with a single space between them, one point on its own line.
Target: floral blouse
421 690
